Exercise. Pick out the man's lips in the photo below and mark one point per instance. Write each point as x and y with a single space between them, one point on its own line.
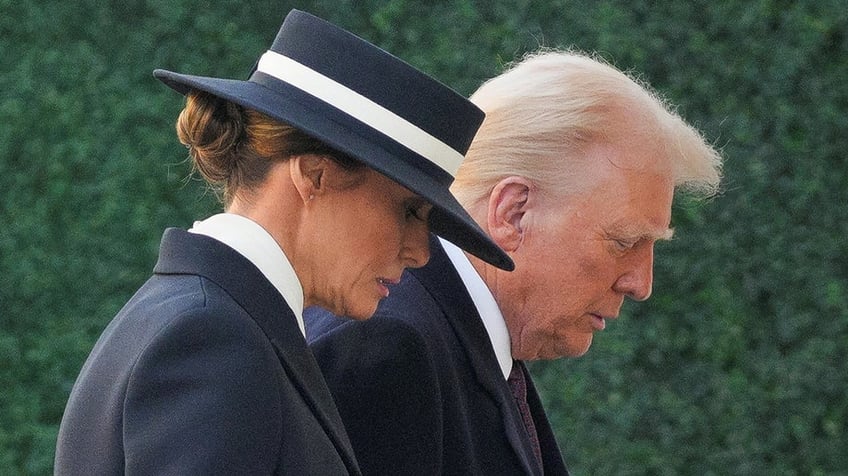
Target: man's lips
599 322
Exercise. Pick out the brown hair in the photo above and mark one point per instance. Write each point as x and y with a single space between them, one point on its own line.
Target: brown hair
234 147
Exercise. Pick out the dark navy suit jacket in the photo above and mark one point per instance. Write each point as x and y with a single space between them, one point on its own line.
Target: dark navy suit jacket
204 371
419 387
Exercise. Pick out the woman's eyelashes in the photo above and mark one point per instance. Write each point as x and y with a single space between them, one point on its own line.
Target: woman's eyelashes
417 209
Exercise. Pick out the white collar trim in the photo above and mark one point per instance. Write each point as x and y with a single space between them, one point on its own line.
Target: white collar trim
486 305
253 242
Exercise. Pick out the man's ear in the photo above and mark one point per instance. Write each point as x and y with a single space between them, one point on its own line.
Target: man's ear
308 172
508 203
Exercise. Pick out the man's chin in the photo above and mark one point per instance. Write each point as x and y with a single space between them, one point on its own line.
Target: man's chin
573 349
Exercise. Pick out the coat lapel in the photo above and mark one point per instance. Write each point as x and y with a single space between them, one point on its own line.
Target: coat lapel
441 279
184 252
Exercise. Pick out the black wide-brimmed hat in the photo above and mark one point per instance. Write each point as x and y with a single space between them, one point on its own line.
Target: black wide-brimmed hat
370 105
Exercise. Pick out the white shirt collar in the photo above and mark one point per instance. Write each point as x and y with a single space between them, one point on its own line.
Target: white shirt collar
486 305
253 242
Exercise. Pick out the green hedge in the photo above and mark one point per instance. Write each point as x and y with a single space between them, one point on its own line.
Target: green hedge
737 365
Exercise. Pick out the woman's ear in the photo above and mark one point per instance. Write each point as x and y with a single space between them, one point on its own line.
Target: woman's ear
308 172
508 204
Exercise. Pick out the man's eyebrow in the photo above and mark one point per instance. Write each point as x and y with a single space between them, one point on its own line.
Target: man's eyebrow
637 234
664 235
667 234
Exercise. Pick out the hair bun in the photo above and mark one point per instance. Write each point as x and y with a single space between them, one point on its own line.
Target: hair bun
213 129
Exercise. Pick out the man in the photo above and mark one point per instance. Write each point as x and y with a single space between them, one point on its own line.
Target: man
572 173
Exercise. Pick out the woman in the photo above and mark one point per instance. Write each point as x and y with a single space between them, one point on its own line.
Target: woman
332 160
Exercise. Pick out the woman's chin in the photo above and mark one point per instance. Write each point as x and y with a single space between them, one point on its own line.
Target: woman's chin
362 313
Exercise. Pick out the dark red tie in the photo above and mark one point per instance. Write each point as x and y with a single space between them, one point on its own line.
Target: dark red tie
518 384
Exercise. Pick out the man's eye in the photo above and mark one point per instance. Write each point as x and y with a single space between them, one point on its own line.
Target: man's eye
623 245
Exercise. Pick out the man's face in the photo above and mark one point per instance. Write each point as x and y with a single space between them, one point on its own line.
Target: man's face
582 254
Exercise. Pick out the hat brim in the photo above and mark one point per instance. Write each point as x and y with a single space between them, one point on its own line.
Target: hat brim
326 123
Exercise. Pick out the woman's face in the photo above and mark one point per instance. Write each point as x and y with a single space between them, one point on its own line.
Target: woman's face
367 233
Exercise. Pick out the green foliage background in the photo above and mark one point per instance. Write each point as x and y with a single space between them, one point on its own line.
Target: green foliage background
737 365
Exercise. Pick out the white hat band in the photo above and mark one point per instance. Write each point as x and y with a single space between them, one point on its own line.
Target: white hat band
363 109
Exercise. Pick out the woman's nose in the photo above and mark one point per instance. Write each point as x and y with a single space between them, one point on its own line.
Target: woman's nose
416 247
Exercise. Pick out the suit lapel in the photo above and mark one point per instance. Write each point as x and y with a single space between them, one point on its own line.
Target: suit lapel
182 252
441 279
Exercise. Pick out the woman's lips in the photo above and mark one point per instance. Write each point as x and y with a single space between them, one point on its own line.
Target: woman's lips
384 284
